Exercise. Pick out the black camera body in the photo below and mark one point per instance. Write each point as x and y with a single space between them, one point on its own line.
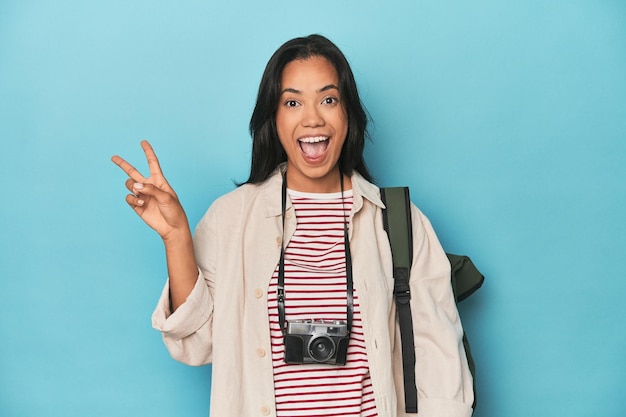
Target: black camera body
316 341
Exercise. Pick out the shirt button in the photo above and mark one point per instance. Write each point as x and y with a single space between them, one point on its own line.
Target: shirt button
279 240
258 293
265 410
260 352
288 215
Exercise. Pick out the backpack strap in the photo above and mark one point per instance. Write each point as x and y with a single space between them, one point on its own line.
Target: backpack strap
465 280
397 223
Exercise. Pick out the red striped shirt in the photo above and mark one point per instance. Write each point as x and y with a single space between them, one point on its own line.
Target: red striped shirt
315 288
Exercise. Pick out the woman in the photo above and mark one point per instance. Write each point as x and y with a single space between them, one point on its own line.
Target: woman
297 256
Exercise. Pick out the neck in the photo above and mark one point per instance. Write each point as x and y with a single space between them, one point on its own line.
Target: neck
330 183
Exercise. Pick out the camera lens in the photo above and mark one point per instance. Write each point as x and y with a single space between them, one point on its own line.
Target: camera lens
321 348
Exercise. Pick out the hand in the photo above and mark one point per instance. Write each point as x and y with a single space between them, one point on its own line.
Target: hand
152 198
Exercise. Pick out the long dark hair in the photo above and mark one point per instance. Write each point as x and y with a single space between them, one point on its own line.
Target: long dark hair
267 152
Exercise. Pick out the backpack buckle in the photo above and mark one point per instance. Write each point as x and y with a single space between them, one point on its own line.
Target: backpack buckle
401 288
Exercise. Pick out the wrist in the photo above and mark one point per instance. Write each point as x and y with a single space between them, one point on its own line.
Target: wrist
178 238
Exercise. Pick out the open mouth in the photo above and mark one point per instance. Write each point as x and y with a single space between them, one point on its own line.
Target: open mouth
313 147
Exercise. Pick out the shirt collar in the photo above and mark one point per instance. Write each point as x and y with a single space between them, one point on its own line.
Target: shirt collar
271 191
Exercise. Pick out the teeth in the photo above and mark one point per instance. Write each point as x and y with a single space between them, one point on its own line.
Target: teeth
314 139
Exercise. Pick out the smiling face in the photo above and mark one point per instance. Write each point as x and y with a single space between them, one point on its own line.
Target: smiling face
312 125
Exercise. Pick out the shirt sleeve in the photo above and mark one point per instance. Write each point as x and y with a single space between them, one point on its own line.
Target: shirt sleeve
443 378
188 332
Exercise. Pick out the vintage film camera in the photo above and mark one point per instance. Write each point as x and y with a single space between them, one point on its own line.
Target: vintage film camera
316 341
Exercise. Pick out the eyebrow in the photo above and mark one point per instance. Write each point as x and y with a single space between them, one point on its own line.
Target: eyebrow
321 90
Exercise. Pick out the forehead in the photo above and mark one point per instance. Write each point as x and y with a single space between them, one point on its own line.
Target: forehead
315 72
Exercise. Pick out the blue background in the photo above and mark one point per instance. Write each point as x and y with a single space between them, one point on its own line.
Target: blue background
506 118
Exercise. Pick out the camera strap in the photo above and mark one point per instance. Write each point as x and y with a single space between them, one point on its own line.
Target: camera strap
280 291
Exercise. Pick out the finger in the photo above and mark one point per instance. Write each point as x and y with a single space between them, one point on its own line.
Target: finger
128 169
153 161
134 186
139 189
145 191
129 184
135 202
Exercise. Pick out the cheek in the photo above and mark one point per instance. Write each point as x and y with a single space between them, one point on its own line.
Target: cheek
342 124
282 126
342 116
284 135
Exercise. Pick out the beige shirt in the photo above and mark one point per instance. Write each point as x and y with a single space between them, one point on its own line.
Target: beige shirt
225 318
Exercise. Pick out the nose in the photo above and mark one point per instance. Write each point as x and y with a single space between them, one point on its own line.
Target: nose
312 117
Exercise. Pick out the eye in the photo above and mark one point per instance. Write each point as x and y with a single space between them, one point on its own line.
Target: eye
291 103
330 100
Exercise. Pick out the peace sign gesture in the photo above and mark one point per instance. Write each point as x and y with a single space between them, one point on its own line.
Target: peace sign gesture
152 198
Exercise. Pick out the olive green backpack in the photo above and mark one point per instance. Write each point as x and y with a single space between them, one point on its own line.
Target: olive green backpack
465 280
